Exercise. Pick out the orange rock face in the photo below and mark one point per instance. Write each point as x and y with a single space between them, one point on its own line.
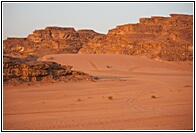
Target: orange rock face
16 70
167 38
51 40
164 38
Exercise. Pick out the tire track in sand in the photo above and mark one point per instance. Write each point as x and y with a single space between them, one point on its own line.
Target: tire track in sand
131 101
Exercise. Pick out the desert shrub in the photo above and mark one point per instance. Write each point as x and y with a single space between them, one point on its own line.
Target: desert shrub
153 96
110 97
109 66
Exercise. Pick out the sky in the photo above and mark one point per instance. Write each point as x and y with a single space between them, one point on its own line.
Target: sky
21 19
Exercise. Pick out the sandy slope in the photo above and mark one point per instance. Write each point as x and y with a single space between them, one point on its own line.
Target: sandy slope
130 81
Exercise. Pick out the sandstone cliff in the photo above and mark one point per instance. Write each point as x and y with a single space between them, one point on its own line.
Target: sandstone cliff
167 38
164 38
51 40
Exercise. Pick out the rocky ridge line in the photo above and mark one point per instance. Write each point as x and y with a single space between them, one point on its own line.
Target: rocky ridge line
51 40
162 38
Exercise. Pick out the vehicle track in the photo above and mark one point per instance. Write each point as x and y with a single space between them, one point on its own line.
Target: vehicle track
131 102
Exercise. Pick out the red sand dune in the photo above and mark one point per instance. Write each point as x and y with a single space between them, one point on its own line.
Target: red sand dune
131 93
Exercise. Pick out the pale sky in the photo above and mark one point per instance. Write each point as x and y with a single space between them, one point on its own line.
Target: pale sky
21 19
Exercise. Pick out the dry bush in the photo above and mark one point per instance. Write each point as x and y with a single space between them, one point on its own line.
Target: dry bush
110 97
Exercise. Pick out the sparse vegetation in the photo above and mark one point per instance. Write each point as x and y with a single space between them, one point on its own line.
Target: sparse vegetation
110 97
109 66
153 96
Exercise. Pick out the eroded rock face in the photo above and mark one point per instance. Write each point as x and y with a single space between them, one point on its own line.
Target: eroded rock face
164 38
167 38
22 70
51 40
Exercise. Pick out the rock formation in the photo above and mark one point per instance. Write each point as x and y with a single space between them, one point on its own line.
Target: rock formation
51 40
24 70
164 38
167 38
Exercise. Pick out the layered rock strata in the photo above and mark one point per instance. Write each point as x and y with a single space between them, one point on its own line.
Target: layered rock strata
51 40
21 70
164 38
167 38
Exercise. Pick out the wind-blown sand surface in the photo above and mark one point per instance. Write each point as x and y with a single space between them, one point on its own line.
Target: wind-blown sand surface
145 94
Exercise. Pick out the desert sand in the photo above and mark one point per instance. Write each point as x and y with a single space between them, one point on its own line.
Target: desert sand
130 93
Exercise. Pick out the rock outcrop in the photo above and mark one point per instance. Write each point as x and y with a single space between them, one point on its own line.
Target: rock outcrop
165 38
24 70
51 40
